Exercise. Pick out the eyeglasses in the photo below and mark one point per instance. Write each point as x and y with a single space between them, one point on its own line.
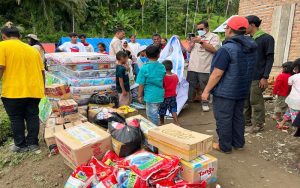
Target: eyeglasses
200 29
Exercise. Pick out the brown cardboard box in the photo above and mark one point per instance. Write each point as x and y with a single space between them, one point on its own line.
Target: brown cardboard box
72 124
67 107
75 117
51 122
174 140
203 168
83 110
78 144
49 134
116 145
59 91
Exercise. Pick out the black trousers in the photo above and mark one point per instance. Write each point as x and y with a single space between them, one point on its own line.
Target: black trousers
20 111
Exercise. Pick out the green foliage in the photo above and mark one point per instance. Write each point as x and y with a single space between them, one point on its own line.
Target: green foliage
5 131
51 19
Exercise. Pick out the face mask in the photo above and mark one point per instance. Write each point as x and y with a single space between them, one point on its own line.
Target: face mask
144 59
201 33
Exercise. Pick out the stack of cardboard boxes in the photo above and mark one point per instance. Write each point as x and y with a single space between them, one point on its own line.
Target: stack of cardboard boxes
191 147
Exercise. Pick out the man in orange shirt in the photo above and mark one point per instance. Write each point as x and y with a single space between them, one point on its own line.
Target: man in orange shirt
22 73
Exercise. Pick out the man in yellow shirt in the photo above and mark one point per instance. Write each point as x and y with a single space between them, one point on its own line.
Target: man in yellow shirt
22 73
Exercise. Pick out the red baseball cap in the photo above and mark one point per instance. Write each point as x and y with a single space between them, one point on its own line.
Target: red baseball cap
238 22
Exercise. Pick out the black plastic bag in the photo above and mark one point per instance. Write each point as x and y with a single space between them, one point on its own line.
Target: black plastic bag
104 99
129 134
103 118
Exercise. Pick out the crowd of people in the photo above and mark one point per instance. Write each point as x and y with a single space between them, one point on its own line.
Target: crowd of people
233 74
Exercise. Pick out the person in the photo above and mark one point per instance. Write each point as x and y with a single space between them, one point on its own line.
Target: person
156 38
293 99
73 45
122 79
282 89
102 47
141 59
254 111
170 85
88 47
202 49
150 80
22 74
134 46
34 41
164 42
116 43
229 83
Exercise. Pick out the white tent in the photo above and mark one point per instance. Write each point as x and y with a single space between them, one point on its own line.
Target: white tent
221 28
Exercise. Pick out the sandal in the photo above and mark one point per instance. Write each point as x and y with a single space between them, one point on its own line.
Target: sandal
283 127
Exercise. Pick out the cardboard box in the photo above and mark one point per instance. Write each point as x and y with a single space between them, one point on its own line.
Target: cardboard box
78 144
49 134
59 91
174 140
74 117
117 146
92 113
67 107
203 168
72 124
83 110
51 122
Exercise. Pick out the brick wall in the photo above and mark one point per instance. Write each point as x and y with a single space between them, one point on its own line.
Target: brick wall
264 10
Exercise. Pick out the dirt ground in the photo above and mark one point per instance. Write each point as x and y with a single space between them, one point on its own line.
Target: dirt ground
269 160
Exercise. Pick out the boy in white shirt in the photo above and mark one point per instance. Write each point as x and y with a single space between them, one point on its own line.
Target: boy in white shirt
134 46
73 45
88 46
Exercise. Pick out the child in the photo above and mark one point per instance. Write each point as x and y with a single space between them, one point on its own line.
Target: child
282 89
122 79
102 47
293 100
170 84
150 80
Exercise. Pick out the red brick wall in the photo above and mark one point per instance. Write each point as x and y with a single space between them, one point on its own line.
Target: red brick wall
264 10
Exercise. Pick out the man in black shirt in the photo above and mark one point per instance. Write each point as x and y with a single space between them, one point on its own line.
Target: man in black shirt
254 110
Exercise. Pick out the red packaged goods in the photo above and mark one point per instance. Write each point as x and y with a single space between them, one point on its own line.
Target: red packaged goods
67 107
144 163
109 182
127 178
102 170
59 91
82 176
111 159
183 184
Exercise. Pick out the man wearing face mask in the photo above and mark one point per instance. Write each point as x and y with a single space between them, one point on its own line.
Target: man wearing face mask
202 49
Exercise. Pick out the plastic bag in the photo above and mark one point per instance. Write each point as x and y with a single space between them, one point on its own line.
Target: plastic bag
105 116
111 159
104 98
144 163
167 174
108 182
102 170
129 134
82 176
184 184
128 179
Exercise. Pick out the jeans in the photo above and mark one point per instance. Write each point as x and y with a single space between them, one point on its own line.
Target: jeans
20 111
254 110
230 122
196 79
152 110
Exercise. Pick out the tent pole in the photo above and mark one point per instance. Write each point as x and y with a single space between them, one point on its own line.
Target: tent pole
187 16
196 10
166 18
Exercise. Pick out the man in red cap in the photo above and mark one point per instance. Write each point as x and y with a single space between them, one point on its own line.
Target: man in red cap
229 83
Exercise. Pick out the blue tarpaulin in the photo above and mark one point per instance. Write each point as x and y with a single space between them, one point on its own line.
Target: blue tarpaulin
106 41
